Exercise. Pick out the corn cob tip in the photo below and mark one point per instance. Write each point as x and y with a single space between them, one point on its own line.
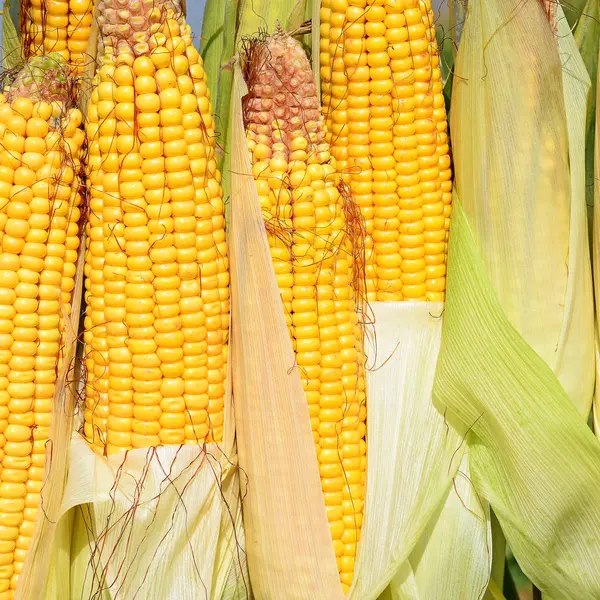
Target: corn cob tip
44 78
134 24
282 94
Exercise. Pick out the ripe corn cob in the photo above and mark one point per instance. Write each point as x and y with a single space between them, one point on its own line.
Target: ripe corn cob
157 289
62 26
40 143
386 123
312 255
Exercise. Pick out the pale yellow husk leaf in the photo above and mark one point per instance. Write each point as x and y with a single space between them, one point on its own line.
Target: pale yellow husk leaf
151 525
527 207
413 457
454 556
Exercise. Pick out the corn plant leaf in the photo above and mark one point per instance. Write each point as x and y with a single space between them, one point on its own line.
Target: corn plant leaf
289 547
11 44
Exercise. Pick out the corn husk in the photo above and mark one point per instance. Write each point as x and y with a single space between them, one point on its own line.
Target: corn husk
532 456
152 523
289 549
11 44
413 457
596 249
524 194
460 529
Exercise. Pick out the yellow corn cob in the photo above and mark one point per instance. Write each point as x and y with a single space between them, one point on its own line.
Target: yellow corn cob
157 289
312 256
62 26
39 198
386 121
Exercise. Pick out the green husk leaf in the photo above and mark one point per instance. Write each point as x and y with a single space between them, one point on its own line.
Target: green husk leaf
573 10
12 55
217 49
498 552
257 15
458 16
532 455
316 42
587 36
533 458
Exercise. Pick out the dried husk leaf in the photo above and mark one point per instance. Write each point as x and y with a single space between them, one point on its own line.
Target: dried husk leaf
596 250
289 548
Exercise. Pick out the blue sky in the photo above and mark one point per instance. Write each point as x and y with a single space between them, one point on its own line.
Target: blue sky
195 11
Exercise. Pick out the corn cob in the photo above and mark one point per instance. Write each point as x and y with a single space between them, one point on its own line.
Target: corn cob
312 256
40 143
157 290
386 122
62 26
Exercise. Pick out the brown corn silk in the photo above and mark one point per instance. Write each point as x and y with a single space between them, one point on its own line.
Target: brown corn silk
311 240
386 123
157 287
40 146
62 26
